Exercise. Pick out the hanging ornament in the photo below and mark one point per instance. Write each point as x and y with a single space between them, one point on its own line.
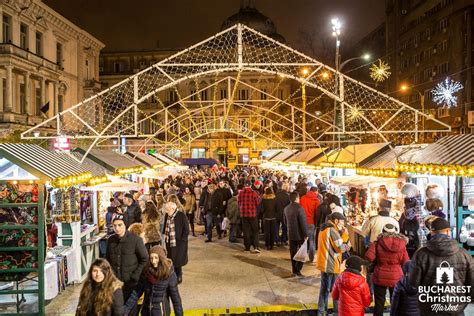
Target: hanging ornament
355 114
443 93
379 72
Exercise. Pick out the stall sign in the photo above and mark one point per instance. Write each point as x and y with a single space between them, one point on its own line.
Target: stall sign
62 144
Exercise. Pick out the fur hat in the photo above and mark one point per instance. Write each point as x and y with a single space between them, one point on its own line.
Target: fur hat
389 228
410 190
434 191
439 224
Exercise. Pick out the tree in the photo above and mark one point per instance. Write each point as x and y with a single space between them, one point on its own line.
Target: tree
445 278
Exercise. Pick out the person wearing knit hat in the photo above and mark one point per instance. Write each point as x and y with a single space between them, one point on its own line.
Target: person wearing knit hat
351 292
442 251
158 280
388 254
405 296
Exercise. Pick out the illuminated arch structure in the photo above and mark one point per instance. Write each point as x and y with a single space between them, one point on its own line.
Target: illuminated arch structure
356 112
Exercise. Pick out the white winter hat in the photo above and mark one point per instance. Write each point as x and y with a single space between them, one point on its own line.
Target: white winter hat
410 190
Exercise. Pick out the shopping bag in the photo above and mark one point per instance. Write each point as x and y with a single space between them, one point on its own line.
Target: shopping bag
225 223
302 253
444 275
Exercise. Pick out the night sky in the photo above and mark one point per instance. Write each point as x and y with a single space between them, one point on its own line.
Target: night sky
139 24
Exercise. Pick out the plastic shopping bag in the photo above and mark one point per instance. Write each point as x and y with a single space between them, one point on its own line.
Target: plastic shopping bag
225 223
302 253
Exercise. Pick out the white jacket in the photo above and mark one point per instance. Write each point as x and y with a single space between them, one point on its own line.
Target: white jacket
373 226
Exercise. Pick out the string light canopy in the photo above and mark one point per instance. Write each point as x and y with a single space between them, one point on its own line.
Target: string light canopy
379 72
444 93
441 170
378 172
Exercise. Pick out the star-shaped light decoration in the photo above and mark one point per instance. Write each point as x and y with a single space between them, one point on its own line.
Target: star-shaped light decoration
379 72
354 113
443 93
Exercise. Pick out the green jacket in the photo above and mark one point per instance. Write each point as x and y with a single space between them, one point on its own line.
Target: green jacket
233 213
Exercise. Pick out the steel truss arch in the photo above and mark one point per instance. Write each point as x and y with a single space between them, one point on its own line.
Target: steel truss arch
361 110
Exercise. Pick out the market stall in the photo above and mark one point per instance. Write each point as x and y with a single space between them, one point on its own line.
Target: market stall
29 173
299 164
278 162
449 163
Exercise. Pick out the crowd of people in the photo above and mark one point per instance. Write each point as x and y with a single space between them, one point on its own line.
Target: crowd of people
147 243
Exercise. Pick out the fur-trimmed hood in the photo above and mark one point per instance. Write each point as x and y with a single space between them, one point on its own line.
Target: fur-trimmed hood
392 242
268 196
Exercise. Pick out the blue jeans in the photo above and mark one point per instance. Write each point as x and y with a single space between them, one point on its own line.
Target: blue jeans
311 242
327 282
212 220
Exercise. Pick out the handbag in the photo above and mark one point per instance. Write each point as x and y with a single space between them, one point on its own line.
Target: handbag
302 253
225 223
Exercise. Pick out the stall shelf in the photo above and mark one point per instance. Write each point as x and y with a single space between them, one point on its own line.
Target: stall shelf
26 169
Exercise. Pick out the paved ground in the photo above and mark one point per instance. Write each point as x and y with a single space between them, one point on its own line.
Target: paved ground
220 275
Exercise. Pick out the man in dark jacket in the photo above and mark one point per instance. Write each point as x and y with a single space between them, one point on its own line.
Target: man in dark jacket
440 264
295 220
127 255
214 209
133 214
282 201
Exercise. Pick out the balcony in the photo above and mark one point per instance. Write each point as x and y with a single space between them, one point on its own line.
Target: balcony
11 49
92 84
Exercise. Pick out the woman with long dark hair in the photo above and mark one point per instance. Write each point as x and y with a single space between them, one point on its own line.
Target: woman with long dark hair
159 283
101 293
190 206
151 222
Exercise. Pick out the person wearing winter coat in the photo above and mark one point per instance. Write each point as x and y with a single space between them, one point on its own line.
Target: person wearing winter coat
310 204
233 214
409 225
189 206
282 199
374 225
351 291
101 292
127 255
151 224
214 209
405 296
175 234
295 220
442 249
269 217
332 242
159 284
133 213
388 253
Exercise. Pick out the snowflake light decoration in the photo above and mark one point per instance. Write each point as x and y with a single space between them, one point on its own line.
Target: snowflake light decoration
379 72
443 93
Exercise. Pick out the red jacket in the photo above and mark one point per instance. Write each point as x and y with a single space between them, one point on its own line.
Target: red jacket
310 203
389 254
352 292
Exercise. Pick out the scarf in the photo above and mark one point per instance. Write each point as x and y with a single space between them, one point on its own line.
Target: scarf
170 233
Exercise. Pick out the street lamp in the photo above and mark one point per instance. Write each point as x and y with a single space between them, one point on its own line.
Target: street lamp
336 32
365 57
405 87
305 73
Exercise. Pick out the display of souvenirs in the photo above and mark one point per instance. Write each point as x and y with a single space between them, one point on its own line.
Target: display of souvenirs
18 238
86 209
18 193
65 205
19 215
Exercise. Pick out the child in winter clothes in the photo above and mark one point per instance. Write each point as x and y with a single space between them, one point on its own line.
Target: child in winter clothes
405 298
351 290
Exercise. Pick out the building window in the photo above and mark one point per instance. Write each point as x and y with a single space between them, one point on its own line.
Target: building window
142 64
117 67
443 24
263 94
406 63
39 44
243 94
264 123
280 94
198 153
4 90
416 60
22 98
243 124
443 112
443 45
7 29
193 95
38 104
223 94
59 55
204 95
24 36
172 96
443 68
